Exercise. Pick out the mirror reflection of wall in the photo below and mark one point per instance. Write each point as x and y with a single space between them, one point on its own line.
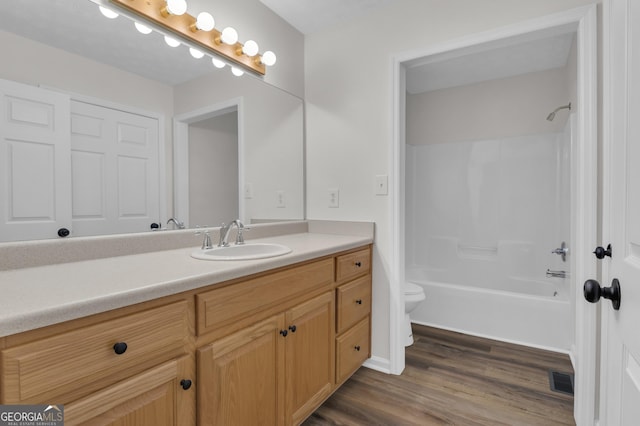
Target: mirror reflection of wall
94 59
213 170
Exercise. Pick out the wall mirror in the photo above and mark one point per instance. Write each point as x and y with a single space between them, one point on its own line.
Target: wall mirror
256 172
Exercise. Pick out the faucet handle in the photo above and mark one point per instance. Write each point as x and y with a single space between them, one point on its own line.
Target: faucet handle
240 236
206 241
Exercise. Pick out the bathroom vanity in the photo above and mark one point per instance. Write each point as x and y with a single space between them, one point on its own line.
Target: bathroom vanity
266 346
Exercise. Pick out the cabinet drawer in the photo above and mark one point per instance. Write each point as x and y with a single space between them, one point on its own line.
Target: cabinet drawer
354 302
352 349
237 304
73 364
352 265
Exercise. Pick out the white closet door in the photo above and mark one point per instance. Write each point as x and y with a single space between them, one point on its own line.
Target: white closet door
35 168
115 176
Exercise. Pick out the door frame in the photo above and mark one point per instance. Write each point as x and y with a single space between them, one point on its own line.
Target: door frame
181 154
618 26
584 196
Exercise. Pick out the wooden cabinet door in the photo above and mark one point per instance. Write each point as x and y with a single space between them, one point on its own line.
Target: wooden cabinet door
241 377
310 362
153 398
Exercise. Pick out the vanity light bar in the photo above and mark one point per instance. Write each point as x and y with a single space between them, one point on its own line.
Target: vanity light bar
184 27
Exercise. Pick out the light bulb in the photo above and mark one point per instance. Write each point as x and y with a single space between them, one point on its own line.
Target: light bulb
229 36
237 71
217 63
268 58
171 41
205 21
176 7
108 13
142 28
250 48
196 53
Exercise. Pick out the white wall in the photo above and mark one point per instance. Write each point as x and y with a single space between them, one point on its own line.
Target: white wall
348 99
213 171
501 108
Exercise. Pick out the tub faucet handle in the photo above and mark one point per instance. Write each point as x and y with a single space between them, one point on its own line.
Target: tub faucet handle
562 251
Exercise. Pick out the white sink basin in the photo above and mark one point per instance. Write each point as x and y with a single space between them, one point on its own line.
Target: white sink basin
248 251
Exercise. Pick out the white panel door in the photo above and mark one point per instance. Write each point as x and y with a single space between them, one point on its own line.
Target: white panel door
114 162
35 177
620 390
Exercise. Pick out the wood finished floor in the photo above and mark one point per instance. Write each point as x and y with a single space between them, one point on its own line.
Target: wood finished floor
454 379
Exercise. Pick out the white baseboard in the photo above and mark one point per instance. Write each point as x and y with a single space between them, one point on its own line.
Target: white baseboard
379 364
572 356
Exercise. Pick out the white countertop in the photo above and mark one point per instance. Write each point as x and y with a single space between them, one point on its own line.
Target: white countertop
44 295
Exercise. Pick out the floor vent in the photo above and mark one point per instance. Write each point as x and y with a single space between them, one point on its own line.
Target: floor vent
561 382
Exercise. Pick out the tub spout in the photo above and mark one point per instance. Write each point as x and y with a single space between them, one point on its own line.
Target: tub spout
556 274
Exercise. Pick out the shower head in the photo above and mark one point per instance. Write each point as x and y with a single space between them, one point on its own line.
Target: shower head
552 115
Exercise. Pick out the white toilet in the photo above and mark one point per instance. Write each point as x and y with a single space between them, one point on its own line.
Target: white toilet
413 296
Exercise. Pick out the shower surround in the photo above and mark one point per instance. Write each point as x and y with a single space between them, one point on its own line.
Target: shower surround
482 218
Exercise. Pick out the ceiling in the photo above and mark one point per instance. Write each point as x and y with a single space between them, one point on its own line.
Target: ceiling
309 16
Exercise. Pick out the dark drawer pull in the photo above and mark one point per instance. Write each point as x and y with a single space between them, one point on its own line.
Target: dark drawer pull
293 328
120 348
359 302
357 348
185 383
358 264
284 333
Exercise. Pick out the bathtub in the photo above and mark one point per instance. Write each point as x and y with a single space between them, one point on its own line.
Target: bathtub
531 312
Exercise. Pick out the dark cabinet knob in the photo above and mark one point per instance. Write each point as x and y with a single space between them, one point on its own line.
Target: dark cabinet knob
63 232
600 252
185 383
358 264
284 333
155 226
120 348
293 328
357 348
359 302
593 292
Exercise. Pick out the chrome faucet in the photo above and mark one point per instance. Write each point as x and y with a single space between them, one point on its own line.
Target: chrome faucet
225 230
179 224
